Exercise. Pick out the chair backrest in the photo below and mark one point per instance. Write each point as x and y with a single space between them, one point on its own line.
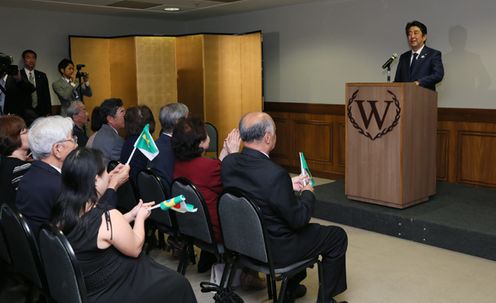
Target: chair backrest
4 250
214 140
64 277
195 225
242 226
22 246
126 198
151 188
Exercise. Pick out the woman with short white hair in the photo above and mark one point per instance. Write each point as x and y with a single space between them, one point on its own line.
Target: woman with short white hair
50 141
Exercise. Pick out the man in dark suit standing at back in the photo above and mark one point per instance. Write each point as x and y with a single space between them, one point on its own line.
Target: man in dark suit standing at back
286 213
421 65
38 103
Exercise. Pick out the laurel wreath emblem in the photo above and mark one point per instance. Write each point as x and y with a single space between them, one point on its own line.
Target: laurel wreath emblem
384 131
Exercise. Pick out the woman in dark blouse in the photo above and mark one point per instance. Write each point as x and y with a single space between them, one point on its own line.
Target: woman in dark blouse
14 148
108 248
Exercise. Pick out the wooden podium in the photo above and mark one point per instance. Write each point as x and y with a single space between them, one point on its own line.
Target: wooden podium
390 143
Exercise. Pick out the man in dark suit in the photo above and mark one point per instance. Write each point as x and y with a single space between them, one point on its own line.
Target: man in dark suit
17 94
50 140
38 103
286 214
421 65
163 163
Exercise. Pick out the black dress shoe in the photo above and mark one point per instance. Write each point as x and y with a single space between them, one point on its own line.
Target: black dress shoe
299 291
294 293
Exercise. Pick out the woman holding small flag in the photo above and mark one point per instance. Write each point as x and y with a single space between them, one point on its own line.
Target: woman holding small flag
135 120
108 248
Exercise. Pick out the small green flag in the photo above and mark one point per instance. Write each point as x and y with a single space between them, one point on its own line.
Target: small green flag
305 170
146 144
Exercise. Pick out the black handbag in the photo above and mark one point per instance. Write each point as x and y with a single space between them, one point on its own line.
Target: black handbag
222 295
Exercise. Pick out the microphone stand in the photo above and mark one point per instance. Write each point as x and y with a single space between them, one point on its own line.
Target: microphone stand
389 73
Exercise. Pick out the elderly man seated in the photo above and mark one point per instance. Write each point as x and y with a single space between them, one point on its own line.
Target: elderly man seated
286 215
50 141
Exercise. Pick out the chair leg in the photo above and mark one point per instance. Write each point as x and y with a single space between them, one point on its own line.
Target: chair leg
321 281
230 273
192 256
269 286
183 263
282 292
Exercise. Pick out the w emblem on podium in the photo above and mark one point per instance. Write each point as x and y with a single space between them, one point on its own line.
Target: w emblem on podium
373 118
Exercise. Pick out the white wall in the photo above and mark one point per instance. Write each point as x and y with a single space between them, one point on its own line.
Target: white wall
47 33
311 50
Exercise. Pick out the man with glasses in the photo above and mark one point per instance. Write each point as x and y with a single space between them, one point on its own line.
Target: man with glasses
77 112
50 141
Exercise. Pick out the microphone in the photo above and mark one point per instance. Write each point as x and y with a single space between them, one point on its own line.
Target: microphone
389 61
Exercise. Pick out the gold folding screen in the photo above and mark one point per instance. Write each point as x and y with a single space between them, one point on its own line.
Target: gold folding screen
219 77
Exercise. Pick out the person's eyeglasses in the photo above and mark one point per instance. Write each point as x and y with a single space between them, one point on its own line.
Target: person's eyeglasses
73 139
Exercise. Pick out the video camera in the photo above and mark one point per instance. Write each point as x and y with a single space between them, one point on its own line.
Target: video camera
6 66
79 73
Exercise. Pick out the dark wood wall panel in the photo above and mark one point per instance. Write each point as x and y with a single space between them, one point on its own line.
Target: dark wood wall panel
476 152
466 141
442 154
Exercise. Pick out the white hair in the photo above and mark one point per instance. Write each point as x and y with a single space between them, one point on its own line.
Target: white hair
47 131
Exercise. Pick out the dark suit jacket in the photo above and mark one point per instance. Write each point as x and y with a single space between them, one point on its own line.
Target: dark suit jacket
18 96
163 163
108 141
38 192
286 215
44 107
428 70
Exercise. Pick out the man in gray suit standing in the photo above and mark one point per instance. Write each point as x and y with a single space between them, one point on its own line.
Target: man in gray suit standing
67 88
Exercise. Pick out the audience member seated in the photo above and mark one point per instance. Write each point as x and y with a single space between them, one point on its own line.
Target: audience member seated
163 164
292 238
77 112
14 148
135 120
189 142
108 248
50 140
107 120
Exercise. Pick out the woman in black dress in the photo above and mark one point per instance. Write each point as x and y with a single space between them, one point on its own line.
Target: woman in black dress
14 162
107 247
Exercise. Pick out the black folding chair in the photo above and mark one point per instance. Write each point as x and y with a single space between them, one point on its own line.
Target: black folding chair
126 197
214 139
64 277
195 228
245 240
23 250
152 188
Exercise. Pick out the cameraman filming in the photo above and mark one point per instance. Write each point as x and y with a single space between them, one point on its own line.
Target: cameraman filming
15 91
68 88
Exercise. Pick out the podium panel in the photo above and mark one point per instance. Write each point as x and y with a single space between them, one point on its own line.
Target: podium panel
390 143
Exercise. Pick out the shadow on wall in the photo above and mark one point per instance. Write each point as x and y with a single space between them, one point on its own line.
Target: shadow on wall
466 80
271 67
